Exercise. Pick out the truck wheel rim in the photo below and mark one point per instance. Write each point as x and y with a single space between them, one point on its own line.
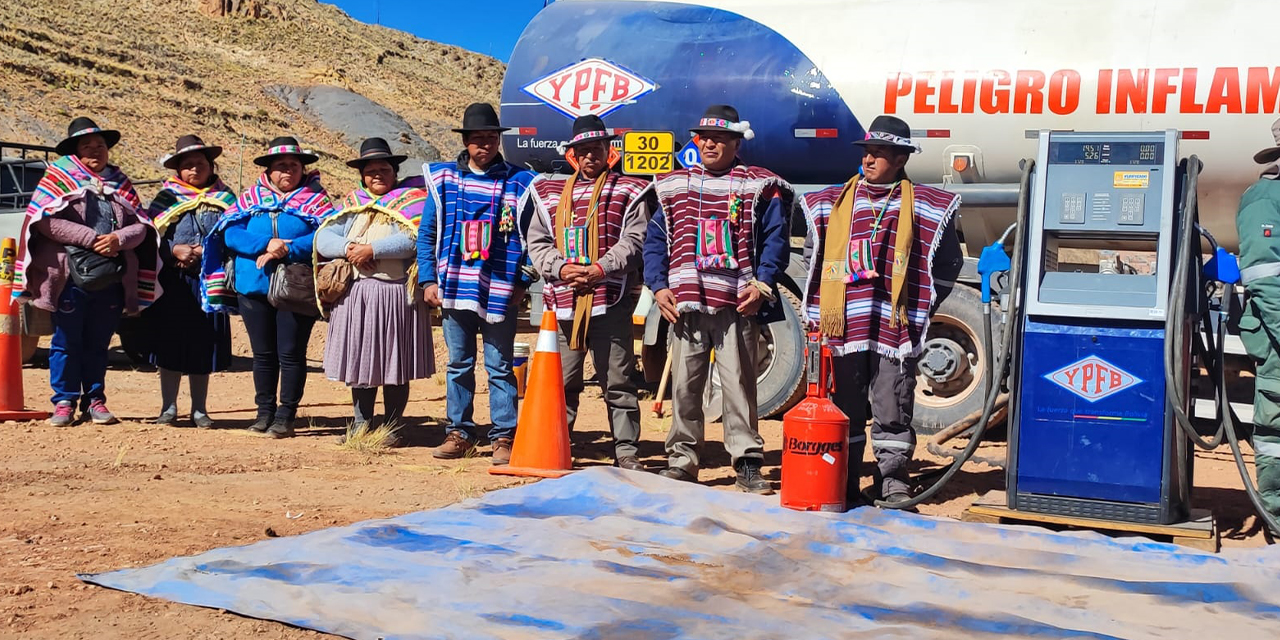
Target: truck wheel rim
949 336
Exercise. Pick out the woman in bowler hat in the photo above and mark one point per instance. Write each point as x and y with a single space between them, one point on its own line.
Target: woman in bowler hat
379 330
186 339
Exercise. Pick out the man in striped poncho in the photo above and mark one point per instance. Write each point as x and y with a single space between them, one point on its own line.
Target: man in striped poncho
470 262
713 256
585 236
884 246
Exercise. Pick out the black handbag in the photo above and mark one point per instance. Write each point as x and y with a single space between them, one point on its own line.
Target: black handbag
292 286
89 269
93 271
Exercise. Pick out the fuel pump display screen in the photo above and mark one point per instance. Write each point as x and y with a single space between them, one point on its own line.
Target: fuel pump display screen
1118 153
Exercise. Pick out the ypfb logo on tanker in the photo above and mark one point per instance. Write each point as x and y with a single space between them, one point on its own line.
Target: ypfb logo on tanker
1093 378
590 87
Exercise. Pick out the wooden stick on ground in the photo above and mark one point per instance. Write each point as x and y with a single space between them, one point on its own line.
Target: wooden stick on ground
662 387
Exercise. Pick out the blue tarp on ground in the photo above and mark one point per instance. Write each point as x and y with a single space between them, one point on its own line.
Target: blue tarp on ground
611 554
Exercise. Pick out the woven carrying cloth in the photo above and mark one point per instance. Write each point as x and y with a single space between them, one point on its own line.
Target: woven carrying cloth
868 307
619 196
402 205
309 202
66 181
707 270
177 198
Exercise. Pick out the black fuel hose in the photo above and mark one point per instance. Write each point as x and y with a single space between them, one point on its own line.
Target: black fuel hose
935 445
1187 258
1212 352
1229 422
999 371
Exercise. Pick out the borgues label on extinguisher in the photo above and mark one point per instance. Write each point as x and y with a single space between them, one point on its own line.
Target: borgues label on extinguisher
810 448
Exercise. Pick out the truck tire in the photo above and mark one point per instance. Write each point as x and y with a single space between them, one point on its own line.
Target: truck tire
780 384
949 384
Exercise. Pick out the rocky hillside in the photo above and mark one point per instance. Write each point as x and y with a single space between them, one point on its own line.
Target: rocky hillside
237 72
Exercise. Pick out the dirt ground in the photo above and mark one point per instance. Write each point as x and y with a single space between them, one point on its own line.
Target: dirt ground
89 499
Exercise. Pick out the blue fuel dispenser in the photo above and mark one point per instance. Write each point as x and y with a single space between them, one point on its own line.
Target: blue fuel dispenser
1091 431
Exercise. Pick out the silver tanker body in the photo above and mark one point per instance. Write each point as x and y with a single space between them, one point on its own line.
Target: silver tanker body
975 78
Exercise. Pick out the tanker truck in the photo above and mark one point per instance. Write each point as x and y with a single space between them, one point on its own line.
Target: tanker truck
976 79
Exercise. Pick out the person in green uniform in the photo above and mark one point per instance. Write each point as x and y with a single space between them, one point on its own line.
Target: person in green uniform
1258 223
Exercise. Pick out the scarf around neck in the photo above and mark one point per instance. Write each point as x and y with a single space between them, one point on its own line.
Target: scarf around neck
582 302
836 270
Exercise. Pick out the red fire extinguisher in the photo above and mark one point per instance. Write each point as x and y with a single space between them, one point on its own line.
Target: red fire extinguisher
815 441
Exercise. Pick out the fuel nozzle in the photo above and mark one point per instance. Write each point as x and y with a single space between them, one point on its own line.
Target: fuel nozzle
1223 267
991 261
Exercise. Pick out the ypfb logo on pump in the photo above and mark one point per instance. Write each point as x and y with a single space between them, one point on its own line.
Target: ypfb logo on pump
1093 378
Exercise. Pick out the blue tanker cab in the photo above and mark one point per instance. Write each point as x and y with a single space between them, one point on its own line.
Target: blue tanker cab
1090 431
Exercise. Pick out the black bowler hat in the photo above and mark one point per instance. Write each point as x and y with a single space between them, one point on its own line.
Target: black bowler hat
285 146
1270 154
590 128
190 144
81 127
480 116
722 117
376 149
888 131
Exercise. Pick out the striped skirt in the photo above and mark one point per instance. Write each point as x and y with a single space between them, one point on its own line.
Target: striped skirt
376 338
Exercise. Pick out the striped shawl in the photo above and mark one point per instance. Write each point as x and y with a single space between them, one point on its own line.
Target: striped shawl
177 198
867 302
618 200
689 194
403 204
67 181
310 202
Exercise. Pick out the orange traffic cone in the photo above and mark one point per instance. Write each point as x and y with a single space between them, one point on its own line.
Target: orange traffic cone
541 449
12 403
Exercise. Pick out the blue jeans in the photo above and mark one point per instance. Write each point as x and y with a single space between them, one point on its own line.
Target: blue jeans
460 329
82 331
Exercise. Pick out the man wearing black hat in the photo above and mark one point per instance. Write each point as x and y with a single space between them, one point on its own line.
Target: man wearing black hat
873 281
1258 223
714 252
585 237
471 262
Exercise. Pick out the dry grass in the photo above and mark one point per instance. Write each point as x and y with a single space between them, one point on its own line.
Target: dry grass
657 425
124 448
377 441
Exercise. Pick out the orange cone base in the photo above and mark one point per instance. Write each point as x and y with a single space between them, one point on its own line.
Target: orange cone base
528 472
23 415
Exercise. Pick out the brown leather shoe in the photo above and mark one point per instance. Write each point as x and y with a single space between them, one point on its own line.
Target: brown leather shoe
502 451
630 463
455 446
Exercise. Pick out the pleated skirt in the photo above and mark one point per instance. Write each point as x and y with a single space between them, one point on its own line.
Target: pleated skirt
377 338
181 336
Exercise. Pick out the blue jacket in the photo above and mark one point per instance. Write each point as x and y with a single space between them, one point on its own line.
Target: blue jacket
248 239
